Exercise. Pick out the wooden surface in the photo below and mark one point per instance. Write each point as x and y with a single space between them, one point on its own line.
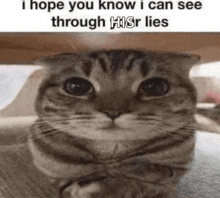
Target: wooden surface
24 47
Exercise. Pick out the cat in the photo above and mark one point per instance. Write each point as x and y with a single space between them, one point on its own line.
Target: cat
115 123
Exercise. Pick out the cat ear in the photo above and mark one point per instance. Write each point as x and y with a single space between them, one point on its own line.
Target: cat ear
186 62
43 61
47 63
54 60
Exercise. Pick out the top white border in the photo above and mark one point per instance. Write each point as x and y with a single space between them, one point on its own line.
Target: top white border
16 19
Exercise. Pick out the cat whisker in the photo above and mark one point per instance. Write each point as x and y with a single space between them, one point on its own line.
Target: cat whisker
43 127
56 119
180 136
56 127
148 119
36 136
23 138
45 132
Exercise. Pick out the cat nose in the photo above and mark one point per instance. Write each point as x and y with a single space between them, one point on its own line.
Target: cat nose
113 114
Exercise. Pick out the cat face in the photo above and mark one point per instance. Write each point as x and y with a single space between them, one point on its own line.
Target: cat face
117 94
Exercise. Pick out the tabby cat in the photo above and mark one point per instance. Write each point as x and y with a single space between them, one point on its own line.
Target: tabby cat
115 123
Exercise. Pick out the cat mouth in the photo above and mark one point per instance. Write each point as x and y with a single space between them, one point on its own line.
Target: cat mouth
111 126
114 127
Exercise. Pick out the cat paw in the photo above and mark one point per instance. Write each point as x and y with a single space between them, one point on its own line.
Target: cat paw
75 190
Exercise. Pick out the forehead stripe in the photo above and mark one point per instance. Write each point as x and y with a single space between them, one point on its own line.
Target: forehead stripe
117 60
103 64
130 65
144 68
87 67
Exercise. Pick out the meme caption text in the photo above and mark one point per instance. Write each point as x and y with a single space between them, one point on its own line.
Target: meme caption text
71 12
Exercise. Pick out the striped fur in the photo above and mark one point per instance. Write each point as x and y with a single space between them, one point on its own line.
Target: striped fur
131 144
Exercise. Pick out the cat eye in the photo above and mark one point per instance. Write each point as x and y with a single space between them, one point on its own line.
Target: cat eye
154 87
78 86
